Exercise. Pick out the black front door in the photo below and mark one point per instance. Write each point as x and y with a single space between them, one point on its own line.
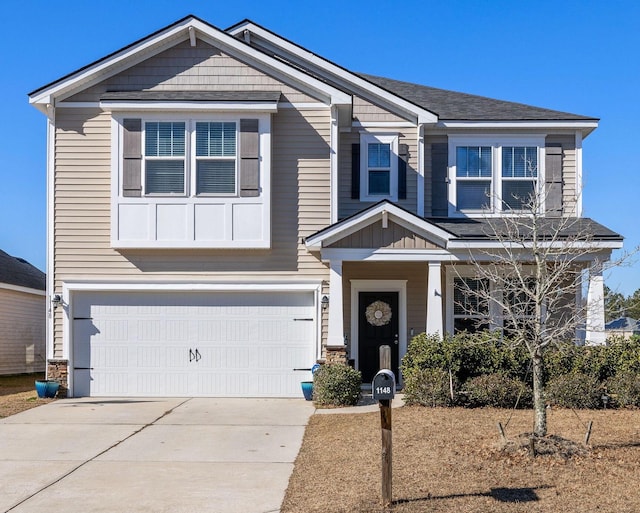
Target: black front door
377 326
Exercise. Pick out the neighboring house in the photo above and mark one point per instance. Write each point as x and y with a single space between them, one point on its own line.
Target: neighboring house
623 326
226 207
23 312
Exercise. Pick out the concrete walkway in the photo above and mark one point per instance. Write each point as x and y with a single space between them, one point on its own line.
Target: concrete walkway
151 455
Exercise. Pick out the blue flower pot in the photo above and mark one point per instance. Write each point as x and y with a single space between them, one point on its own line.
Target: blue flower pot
307 389
47 388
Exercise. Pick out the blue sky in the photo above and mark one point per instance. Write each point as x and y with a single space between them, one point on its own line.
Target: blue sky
575 56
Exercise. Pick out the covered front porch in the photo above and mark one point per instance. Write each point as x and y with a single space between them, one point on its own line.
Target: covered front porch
392 276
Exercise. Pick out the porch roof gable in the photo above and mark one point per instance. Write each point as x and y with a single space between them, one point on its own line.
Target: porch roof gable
387 213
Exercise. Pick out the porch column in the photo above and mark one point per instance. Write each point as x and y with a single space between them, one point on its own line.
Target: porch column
434 300
335 336
595 334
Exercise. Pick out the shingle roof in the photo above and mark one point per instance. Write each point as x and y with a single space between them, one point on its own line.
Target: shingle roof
623 323
454 106
487 229
17 271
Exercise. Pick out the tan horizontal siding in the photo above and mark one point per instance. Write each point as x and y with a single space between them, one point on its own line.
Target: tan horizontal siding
366 112
22 332
186 68
300 206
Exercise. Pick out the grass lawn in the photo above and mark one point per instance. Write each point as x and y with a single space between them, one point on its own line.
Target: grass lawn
18 393
452 460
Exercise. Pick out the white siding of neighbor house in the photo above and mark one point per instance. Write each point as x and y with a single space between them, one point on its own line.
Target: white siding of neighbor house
187 68
22 332
82 199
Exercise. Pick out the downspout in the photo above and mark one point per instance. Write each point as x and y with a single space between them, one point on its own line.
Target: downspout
50 284
333 165
420 199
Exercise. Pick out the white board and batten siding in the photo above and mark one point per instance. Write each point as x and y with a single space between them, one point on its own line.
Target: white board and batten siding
213 344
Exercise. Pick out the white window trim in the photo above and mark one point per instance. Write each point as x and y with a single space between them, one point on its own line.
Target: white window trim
496 143
151 201
190 160
365 140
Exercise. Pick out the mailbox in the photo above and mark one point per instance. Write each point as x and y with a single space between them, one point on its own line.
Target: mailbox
383 387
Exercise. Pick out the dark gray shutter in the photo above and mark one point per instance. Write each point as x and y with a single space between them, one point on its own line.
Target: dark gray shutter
403 156
132 158
439 179
355 171
249 158
553 180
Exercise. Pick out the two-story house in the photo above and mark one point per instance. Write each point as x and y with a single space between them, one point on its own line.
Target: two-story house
226 208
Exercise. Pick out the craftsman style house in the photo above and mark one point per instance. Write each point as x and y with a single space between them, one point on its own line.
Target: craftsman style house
226 208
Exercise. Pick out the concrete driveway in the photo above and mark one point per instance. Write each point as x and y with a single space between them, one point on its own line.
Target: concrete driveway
151 455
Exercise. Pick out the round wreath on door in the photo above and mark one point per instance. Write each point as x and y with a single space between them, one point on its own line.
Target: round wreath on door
378 313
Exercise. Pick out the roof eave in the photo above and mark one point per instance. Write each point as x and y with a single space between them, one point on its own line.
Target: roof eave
586 126
158 41
420 115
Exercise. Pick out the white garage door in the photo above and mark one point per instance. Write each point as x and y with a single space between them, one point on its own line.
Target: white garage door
192 344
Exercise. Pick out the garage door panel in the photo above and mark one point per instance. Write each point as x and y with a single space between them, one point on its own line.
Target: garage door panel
183 344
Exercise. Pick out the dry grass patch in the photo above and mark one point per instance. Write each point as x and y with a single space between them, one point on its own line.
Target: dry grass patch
18 393
452 459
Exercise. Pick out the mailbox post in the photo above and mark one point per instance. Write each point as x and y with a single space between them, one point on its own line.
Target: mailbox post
383 389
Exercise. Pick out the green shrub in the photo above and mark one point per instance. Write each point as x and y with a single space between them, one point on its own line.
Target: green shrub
574 390
497 390
336 385
624 388
427 387
466 355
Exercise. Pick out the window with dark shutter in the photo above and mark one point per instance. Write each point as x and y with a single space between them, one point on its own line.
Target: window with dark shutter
249 158
553 181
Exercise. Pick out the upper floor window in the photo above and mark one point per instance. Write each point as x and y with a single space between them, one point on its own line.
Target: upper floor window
378 167
519 176
164 163
207 148
215 158
494 176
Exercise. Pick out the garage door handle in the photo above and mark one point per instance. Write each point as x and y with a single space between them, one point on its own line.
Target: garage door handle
191 355
198 356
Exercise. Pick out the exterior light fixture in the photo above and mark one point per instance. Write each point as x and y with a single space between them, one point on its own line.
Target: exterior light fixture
325 302
56 300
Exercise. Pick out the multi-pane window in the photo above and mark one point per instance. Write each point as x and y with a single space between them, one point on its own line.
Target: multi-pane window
379 168
164 157
519 175
473 174
186 157
470 304
494 175
215 158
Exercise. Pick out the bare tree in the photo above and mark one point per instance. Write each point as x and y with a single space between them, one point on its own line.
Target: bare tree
530 283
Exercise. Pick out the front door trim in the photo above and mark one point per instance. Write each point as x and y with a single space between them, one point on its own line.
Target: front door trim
399 286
